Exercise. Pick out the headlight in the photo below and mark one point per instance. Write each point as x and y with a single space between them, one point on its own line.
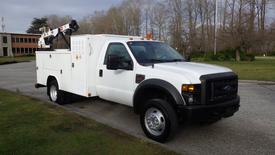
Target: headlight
190 99
191 93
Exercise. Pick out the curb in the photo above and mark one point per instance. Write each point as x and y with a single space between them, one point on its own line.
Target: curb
256 81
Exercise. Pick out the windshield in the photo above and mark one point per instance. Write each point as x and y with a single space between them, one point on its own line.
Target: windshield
147 52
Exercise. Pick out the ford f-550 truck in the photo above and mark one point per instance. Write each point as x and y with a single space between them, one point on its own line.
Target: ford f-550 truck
147 75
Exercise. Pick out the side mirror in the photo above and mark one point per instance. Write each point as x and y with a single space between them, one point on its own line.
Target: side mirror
113 62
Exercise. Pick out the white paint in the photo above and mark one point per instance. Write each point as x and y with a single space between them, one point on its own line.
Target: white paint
87 56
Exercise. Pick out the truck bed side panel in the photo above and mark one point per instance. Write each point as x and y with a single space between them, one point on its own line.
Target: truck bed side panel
56 64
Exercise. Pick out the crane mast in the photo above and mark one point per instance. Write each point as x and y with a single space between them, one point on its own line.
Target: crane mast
48 35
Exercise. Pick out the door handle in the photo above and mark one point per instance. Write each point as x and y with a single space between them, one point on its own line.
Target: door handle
100 73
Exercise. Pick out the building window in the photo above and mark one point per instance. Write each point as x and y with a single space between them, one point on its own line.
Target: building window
5 39
18 50
5 51
17 40
25 40
26 50
13 50
29 40
22 50
13 39
21 40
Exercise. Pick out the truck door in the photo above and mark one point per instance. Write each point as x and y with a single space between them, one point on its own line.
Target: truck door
116 85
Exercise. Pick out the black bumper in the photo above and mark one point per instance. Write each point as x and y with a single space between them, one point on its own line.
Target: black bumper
206 112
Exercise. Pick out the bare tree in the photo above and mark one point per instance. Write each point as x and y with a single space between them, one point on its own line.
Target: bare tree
159 21
188 25
176 24
55 21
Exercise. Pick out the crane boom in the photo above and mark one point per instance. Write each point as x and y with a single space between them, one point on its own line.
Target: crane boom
48 35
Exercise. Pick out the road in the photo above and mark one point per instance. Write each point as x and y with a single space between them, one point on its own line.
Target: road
250 131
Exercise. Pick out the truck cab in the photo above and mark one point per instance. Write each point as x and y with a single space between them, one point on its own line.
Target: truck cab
148 75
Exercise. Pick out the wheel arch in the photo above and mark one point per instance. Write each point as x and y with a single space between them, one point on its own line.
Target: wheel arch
156 88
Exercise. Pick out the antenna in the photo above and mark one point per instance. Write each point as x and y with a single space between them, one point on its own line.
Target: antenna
3 24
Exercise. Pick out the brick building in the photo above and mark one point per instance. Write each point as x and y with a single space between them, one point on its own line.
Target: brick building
16 44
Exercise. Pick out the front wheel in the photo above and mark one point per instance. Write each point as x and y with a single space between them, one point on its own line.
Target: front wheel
158 120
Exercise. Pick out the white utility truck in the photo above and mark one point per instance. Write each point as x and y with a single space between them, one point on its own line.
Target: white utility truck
147 75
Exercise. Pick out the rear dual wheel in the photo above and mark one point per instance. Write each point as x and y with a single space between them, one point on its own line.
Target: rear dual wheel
56 95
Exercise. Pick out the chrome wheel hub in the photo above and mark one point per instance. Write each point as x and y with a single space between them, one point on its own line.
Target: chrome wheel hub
154 121
53 93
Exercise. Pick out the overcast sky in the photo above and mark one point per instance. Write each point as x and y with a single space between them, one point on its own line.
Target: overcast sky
19 13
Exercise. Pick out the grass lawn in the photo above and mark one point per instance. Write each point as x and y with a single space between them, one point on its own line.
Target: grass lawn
263 68
29 126
8 60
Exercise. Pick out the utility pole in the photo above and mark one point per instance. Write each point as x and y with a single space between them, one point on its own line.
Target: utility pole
3 24
215 25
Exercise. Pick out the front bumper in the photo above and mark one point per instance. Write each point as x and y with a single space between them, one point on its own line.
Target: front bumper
206 112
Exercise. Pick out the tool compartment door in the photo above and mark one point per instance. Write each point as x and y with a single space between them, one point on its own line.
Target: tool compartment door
79 48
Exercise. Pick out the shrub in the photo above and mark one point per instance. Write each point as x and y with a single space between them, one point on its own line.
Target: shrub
225 55
248 57
197 54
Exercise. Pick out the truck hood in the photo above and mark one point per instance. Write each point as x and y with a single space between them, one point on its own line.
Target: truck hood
190 69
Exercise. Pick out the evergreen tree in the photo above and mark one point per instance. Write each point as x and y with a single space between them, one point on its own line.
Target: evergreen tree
36 24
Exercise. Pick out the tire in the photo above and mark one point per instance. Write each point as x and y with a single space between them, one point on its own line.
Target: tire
56 95
166 120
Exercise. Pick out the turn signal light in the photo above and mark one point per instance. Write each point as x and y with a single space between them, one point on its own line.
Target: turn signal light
188 88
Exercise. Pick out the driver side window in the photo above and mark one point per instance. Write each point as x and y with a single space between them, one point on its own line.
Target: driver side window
119 50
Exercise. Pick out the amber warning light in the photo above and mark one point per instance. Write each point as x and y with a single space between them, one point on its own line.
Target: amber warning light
149 36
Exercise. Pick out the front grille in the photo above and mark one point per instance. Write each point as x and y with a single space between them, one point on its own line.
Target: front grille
222 90
218 88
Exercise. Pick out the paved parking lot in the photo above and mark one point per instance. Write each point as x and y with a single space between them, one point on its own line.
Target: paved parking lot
249 131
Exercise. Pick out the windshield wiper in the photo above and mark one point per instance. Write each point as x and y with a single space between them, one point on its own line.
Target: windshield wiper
155 60
175 60
162 60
